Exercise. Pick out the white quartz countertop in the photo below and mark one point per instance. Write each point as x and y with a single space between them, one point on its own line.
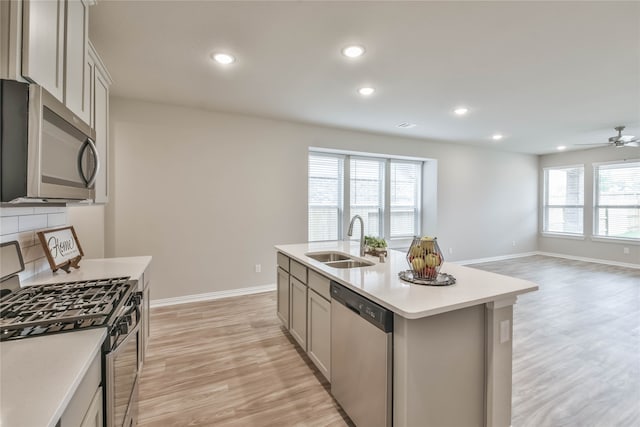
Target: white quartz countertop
38 376
380 282
91 269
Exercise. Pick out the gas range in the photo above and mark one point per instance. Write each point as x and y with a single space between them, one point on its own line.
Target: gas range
64 307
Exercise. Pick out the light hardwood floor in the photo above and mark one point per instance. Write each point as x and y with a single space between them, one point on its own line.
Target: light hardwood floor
576 356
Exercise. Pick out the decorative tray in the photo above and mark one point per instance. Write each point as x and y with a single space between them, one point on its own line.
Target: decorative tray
443 279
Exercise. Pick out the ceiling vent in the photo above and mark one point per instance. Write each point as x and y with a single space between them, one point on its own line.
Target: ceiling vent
406 125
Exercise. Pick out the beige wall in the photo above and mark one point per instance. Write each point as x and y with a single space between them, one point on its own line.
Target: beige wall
209 194
587 248
88 222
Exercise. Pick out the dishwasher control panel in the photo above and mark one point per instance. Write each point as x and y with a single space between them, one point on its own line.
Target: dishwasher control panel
377 315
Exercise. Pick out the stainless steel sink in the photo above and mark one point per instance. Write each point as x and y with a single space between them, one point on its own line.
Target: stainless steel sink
351 263
338 259
328 256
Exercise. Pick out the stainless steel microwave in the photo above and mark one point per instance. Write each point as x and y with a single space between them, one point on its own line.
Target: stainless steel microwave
46 152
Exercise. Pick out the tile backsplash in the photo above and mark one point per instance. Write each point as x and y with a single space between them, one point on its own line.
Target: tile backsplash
21 224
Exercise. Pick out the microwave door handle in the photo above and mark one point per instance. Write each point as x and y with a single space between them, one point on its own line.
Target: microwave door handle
96 158
80 156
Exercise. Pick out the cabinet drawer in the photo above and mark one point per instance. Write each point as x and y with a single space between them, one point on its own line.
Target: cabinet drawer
283 261
299 271
320 284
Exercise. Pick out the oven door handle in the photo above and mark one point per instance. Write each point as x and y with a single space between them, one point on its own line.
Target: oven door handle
133 332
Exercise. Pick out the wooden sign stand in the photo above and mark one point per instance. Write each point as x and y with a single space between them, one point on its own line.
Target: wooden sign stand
62 248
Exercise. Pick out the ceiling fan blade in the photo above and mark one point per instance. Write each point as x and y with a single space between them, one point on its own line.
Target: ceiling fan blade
635 143
627 138
594 143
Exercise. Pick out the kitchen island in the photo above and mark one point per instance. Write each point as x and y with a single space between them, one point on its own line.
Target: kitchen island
452 345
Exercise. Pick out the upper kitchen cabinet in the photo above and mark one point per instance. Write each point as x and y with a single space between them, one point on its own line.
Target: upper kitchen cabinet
43 25
54 50
99 102
77 84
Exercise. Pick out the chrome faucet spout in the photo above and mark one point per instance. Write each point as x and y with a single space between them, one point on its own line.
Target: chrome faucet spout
350 232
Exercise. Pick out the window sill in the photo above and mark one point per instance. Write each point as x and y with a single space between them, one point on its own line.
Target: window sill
619 240
564 236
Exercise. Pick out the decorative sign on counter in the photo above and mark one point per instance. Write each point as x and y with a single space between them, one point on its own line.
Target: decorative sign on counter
62 248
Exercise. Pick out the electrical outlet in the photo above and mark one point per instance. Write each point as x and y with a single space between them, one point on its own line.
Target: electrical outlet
626 251
258 268
505 332
450 251
513 243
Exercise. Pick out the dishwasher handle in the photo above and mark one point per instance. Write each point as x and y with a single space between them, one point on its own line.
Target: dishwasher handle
352 308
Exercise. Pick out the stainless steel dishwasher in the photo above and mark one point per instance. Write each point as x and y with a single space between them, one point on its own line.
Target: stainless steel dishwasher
361 357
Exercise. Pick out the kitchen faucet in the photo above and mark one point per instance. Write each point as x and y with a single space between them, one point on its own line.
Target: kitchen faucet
350 232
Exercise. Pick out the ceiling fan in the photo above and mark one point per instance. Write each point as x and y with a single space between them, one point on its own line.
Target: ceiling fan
620 140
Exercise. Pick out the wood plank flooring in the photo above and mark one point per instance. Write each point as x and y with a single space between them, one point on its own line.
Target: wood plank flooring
230 363
576 349
576 356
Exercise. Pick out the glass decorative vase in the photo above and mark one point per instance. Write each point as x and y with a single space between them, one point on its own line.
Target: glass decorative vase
425 258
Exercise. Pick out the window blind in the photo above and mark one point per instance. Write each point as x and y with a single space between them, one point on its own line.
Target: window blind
564 200
617 200
367 193
404 193
325 196
385 192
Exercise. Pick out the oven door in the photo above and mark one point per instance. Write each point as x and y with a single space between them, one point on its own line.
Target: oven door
122 381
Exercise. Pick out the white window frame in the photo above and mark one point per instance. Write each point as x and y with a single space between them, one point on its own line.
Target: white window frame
386 209
546 205
340 207
597 205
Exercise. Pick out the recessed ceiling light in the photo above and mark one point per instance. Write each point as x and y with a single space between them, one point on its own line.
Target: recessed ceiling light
406 125
223 58
561 147
353 51
366 91
497 137
461 111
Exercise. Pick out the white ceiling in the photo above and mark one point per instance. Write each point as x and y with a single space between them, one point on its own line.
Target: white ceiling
541 73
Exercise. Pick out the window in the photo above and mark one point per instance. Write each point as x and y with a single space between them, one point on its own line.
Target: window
325 196
405 192
564 200
367 193
385 192
617 200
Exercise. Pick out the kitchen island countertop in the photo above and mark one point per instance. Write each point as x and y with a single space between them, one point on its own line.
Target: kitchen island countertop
380 282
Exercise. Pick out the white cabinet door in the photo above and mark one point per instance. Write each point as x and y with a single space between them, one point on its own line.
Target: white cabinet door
43 44
93 417
76 81
319 337
298 311
101 126
283 296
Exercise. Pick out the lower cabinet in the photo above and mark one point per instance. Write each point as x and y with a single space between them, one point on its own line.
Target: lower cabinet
304 307
298 311
85 407
319 336
283 296
93 417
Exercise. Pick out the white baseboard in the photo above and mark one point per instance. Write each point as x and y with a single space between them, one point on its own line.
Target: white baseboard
597 261
494 258
212 295
550 254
